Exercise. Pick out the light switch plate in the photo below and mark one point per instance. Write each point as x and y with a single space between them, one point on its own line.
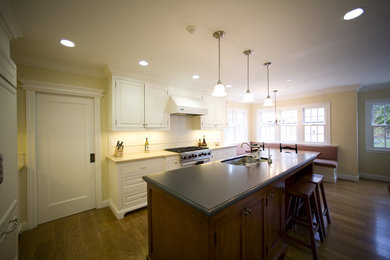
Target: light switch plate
1 169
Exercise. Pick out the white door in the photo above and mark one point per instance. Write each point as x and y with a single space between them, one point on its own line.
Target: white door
156 99
65 140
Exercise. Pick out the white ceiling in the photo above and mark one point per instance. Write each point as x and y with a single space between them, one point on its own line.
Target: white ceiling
306 41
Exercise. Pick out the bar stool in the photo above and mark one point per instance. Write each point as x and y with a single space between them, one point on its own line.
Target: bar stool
305 191
317 180
288 147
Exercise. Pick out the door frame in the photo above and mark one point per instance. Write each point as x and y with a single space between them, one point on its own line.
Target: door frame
32 88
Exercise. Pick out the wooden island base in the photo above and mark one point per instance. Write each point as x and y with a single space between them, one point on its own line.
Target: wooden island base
251 228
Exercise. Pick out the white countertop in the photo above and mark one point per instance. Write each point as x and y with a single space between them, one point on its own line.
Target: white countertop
141 156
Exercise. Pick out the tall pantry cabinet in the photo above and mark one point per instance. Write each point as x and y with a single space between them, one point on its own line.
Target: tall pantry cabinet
9 212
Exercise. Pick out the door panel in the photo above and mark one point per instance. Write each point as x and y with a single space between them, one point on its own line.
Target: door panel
65 139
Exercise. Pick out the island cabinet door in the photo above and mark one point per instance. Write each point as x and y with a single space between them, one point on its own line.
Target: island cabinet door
239 230
275 224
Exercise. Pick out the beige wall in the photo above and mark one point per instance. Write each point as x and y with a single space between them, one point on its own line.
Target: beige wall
343 107
376 163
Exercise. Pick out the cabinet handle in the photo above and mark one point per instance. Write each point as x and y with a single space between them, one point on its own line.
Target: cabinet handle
247 211
271 195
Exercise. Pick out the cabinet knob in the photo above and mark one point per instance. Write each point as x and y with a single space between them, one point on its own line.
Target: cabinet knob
271 195
247 211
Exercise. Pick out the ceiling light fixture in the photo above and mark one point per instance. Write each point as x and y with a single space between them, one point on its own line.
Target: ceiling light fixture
276 118
219 89
268 101
195 76
67 43
143 63
248 98
353 14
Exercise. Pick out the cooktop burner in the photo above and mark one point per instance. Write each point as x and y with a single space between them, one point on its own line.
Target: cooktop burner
186 149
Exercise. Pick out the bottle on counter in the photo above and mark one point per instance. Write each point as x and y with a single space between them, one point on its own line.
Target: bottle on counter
204 141
146 145
199 143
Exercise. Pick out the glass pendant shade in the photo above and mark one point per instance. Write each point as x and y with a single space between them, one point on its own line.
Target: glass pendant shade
219 90
248 97
268 102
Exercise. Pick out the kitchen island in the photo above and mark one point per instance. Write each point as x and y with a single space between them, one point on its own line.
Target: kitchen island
222 211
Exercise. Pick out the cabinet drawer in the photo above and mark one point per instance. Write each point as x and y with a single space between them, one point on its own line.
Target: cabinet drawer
129 200
140 168
131 189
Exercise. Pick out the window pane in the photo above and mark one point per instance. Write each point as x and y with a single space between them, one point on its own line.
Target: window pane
379 137
307 115
314 115
378 114
313 130
321 138
387 137
387 116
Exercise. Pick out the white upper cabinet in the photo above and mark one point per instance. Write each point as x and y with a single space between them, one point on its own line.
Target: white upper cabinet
156 99
216 116
136 106
129 104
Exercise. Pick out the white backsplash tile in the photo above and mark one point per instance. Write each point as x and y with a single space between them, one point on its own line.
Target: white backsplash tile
181 133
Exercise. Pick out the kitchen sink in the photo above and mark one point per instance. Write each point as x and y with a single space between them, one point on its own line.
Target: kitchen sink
245 160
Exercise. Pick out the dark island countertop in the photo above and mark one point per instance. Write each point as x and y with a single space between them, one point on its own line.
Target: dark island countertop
212 187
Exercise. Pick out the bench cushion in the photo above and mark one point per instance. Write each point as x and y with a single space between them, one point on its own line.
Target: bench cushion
327 152
326 163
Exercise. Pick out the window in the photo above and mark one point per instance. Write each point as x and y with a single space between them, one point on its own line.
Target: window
288 125
314 124
237 130
265 126
299 124
378 125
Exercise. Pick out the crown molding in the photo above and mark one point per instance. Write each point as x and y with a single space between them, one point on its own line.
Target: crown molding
8 21
53 88
368 88
60 66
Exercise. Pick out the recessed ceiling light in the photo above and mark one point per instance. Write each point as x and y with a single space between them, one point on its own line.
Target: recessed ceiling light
353 14
195 76
143 63
288 80
67 43
229 85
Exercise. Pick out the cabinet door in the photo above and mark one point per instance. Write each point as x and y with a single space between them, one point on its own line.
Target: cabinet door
172 163
220 112
129 104
239 231
275 219
208 120
156 115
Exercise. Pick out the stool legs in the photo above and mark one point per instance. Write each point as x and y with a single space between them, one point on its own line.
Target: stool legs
321 217
326 210
311 230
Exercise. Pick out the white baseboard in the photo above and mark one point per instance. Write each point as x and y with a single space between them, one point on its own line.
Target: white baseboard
369 176
347 177
105 203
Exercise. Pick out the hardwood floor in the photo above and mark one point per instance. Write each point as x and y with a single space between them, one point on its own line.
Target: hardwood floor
360 229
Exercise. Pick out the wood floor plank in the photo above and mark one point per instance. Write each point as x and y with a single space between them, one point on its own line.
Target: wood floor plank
360 229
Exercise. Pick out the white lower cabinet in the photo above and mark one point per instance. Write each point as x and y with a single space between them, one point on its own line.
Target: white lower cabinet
172 163
127 188
223 153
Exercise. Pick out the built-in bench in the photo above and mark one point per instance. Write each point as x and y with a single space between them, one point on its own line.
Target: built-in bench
325 164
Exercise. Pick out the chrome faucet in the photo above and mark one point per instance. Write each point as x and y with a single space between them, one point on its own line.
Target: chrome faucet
269 157
253 146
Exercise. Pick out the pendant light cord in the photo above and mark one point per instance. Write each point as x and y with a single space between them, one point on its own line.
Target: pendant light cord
219 59
247 74
268 80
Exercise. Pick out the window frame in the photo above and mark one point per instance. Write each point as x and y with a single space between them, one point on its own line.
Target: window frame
300 123
246 123
369 135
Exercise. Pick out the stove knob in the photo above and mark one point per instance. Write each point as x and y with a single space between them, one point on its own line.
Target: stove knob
208 153
195 155
183 157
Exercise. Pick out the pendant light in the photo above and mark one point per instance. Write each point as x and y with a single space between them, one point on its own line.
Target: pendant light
248 98
219 89
268 101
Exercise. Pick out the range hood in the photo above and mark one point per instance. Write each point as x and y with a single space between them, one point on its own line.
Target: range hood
179 105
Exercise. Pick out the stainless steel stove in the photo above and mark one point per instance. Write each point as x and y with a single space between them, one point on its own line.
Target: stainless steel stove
192 155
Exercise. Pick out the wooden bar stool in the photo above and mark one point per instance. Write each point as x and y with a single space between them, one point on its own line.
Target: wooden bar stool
317 180
305 191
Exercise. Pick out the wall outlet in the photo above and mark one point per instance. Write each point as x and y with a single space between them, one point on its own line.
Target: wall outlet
1 169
